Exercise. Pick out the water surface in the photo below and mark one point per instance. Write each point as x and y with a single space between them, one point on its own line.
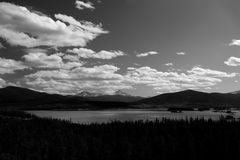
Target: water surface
103 116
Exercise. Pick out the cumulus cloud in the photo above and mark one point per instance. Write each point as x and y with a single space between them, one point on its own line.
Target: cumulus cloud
74 86
169 64
102 72
72 58
57 75
22 27
146 54
235 42
42 60
209 72
233 61
195 78
181 53
103 78
10 66
84 5
88 53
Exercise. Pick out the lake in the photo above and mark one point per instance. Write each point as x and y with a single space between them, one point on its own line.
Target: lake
103 116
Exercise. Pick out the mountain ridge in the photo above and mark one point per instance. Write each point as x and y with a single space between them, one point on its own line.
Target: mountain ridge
192 98
118 95
12 95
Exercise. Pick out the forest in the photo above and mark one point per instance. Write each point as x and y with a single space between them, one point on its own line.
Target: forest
26 137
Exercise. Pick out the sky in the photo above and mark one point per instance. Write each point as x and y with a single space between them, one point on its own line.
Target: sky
142 47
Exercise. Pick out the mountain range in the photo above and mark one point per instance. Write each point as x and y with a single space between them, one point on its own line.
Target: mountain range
26 98
193 99
17 96
118 96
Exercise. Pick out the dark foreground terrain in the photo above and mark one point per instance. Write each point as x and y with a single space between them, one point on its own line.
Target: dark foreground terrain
26 137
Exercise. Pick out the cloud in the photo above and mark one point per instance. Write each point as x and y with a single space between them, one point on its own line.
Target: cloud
88 53
84 25
84 5
103 78
35 50
1 46
146 54
58 76
181 53
195 78
233 61
42 60
235 42
74 86
22 27
10 66
102 72
72 58
169 64
211 73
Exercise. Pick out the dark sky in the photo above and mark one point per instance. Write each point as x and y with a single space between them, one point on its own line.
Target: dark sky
144 47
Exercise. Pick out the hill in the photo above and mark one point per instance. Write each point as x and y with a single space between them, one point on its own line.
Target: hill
235 92
191 98
14 94
24 98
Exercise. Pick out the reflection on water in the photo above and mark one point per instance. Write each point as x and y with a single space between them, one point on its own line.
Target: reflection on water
84 116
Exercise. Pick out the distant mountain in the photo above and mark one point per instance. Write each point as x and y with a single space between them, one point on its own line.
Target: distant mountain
235 92
17 97
191 98
88 94
121 93
118 96
30 99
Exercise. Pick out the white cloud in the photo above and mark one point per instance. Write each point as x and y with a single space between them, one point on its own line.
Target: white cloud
169 64
42 60
10 66
209 72
84 5
146 54
235 42
106 72
103 78
88 53
108 78
20 26
84 25
72 58
181 53
103 72
233 61
195 78
74 86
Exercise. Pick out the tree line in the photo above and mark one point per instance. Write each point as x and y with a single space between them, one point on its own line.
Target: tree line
26 137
